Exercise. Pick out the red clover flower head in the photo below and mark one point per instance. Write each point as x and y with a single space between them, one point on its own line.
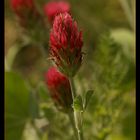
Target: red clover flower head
25 10
59 87
66 44
51 9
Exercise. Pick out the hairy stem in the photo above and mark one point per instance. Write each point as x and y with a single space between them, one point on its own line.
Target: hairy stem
76 122
71 117
72 88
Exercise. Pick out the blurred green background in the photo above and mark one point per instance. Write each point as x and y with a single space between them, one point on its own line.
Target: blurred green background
108 68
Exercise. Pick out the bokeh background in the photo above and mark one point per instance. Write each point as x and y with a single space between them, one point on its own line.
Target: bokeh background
108 68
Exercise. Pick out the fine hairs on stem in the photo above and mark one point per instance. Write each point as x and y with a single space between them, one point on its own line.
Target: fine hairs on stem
79 130
71 117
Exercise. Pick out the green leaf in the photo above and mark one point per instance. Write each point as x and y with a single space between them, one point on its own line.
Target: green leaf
78 103
16 105
125 37
88 97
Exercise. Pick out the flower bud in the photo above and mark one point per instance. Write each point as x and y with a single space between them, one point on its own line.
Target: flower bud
66 44
59 88
25 11
51 9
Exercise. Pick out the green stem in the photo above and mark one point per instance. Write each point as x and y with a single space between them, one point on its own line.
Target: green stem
72 88
71 117
76 122
128 12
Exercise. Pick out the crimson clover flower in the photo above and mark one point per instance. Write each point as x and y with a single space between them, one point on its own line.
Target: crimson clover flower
25 11
66 44
59 88
51 9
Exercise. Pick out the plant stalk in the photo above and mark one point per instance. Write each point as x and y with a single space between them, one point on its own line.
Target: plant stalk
71 117
76 122
128 13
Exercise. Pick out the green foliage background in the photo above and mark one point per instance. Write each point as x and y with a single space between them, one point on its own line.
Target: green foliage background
108 68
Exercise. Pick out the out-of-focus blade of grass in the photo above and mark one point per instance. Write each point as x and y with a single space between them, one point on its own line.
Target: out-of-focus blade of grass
16 105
